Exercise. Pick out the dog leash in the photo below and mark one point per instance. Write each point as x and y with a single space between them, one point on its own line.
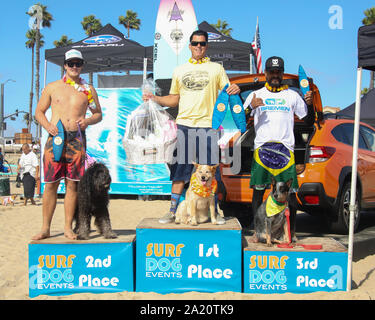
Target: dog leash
289 243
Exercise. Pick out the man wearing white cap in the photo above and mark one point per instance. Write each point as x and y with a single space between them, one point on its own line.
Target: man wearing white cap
69 99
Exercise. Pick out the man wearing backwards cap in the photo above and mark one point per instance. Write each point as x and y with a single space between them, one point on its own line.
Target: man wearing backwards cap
273 108
69 99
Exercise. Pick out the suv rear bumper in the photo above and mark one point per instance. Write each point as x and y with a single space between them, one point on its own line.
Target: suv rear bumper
314 189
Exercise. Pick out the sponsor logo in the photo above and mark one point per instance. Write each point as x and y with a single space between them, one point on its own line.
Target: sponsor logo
102 39
213 36
221 107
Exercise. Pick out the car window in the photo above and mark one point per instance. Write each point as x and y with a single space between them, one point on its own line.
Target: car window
344 133
369 136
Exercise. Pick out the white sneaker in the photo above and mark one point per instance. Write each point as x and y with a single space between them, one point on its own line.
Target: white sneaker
167 218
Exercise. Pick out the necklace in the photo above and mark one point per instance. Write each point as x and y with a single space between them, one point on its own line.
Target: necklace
85 89
201 190
272 89
199 61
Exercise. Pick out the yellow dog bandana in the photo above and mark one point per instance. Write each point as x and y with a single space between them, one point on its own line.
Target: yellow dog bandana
274 207
201 190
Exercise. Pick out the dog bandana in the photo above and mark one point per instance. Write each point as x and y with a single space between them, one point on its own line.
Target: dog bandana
86 90
200 190
274 207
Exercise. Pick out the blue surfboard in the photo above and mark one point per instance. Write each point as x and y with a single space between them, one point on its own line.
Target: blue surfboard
303 81
58 142
220 109
238 112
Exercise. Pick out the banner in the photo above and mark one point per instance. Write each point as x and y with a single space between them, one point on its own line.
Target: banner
104 144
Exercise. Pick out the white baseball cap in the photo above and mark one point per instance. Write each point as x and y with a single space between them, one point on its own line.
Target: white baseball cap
73 54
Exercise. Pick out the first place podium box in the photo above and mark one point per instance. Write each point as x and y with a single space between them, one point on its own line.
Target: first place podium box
58 266
295 270
174 258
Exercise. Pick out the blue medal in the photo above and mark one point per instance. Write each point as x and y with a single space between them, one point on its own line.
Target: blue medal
238 112
58 142
220 108
303 81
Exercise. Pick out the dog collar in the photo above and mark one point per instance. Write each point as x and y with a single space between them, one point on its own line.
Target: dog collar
200 190
274 207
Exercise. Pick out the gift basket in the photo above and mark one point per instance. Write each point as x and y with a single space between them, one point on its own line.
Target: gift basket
150 133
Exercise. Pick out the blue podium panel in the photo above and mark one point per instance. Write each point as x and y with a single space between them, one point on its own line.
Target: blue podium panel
296 270
173 258
58 266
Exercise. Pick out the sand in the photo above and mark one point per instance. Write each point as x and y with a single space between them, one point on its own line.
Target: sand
19 223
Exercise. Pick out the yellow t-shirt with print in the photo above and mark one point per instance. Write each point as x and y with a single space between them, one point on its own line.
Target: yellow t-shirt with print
198 86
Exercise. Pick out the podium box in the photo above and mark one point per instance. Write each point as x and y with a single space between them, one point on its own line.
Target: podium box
174 258
295 270
58 266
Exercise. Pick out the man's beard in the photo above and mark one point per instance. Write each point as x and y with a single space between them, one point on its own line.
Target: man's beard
273 84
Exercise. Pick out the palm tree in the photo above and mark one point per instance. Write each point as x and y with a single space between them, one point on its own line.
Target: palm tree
63 42
370 19
130 21
91 25
46 19
30 43
222 27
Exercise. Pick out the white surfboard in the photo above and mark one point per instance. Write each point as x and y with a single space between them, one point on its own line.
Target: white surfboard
175 23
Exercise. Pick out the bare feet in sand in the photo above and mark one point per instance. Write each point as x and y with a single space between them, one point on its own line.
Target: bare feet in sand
41 235
70 234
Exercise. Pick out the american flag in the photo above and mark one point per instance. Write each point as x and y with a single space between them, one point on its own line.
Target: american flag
256 48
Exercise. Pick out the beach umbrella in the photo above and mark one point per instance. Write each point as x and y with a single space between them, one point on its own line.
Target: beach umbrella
366 60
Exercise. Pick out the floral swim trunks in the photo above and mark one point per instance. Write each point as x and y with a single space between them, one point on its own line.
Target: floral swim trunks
72 163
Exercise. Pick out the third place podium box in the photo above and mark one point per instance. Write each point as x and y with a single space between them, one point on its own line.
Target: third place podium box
296 270
58 266
173 258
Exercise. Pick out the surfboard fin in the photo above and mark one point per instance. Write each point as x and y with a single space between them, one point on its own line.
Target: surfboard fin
238 112
220 109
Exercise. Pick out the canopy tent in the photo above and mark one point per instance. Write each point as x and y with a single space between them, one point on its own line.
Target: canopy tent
367 109
366 60
234 54
106 50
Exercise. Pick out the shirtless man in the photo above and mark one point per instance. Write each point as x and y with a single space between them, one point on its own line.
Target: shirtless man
69 105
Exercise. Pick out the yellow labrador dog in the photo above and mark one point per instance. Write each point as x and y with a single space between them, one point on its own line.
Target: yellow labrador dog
199 203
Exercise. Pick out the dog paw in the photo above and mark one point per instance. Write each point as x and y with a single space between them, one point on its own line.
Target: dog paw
194 222
82 236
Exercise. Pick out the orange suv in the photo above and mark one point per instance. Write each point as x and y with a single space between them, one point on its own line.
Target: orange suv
323 154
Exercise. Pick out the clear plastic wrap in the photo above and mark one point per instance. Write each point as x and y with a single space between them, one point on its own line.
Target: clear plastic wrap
150 133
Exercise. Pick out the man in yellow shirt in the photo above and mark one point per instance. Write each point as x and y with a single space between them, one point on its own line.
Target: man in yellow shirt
194 89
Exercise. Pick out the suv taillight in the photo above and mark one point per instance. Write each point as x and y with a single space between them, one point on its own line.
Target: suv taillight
320 154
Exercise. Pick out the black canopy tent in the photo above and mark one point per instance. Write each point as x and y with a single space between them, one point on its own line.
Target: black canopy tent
106 50
367 114
366 60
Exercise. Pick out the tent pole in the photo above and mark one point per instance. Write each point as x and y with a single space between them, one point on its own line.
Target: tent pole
251 63
144 69
353 187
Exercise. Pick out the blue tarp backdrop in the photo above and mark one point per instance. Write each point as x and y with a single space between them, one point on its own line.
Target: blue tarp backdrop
104 144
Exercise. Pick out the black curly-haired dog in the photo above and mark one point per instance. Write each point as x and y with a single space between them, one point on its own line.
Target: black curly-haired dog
92 201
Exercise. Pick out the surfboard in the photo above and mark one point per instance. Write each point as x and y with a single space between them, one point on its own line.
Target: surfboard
303 81
175 23
58 142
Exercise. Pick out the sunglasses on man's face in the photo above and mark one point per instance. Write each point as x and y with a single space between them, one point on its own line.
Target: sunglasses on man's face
78 64
202 43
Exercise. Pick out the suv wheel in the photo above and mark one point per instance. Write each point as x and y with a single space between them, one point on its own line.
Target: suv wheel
342 223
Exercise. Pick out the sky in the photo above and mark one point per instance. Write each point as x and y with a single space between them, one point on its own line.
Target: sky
320 35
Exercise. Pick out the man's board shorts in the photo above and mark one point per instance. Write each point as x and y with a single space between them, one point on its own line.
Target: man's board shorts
273 159
72 162
194 144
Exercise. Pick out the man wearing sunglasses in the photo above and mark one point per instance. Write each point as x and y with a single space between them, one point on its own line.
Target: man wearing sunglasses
194 89
69 99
